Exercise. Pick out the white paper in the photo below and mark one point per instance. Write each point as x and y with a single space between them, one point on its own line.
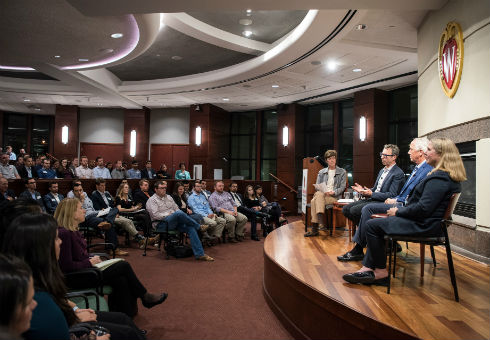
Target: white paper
103 212
321 187
304 191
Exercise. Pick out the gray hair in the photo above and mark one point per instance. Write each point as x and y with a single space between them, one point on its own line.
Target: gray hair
421 143
394 149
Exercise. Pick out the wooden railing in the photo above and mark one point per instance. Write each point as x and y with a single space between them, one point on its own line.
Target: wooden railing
291 189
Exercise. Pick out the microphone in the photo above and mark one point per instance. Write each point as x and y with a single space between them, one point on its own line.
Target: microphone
321 161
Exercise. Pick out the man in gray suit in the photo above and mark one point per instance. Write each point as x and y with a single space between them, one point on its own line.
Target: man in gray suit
334 178
388 184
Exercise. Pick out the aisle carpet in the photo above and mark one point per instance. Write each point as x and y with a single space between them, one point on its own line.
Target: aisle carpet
208 300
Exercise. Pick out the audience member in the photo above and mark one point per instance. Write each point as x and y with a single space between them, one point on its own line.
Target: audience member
182 173
100 171
127 206
102 199
271 208
181 200
53 198
74 165
162 173
134 172
126 287
9 210
83 171
166 214
421 215
144 193
16 295
64 171
5 193
92 164
34 239
222 202
388 184
8 171
39 163
27 170
11 153
200 205
252 202
46 172
109 166
55 165
205 192
417 150
334 178
119 172
148 172
22 153
245 209
19 163
30 192
94 218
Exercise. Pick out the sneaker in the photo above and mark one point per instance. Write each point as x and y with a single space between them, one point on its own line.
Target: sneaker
104 225
120 252
205 258
312 233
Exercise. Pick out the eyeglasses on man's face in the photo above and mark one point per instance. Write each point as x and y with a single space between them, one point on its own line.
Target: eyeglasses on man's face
384 155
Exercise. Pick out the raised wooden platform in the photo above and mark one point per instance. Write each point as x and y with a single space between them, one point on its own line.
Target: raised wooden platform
303 286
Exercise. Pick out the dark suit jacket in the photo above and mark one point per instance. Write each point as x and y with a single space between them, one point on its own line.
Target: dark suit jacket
98 201
23 172
178 201
412 182
391 185
50 202
10 193
240 197
426 206
38 199
140 197
144 174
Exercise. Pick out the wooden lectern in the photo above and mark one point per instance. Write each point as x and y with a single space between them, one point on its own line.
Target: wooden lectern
313 166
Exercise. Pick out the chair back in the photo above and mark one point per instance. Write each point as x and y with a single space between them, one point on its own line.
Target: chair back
452 204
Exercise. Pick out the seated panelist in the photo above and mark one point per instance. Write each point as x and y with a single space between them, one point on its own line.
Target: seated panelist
422 214
335 178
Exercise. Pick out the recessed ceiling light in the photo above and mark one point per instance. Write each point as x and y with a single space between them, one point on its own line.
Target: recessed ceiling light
275 86
357 70
176 57
83 59
332 65
99 104
57 56
157 55
316 62
37 109
245 22
226 99
117 35
361 27
249 11
247 33
106 50
27 100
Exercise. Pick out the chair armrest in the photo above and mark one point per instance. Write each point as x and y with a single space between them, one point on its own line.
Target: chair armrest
84 294
108 245
79 278
80 295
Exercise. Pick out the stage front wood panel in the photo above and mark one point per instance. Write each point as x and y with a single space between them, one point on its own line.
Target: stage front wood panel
303 285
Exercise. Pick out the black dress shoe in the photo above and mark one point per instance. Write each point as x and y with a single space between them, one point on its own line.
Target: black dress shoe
152 303
398 247
360 277
350 257
255 238
381 282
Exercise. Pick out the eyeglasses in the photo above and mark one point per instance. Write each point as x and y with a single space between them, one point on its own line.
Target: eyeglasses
385 155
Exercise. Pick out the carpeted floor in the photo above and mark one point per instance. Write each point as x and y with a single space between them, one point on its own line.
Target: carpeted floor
208 300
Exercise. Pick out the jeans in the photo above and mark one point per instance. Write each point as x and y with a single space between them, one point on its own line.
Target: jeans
181 222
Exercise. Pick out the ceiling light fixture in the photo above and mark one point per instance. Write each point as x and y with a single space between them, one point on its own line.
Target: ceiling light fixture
275 86
177 57
117 35
247 33
226 99
332 65
57 56
249 10
357 70
245 22
361 27
83 59
27 100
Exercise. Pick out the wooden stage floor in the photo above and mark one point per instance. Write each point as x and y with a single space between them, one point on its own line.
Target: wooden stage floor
304 287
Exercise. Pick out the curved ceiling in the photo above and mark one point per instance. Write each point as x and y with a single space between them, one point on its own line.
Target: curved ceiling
179 59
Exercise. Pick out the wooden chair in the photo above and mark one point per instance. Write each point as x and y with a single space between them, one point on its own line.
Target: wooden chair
431 241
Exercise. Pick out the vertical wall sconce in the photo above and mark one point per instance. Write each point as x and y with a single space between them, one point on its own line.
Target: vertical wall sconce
132 144
198 136
64 134
285 136
362 128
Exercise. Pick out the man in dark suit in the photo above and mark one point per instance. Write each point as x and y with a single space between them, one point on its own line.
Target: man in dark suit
27 170
52 199
417 149
388 184
30 192
148 171
144 193
238 198
5 193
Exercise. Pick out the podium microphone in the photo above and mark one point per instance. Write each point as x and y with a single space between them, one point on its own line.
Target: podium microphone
321 161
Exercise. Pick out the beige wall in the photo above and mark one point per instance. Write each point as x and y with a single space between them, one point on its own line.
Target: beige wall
483 182
472 100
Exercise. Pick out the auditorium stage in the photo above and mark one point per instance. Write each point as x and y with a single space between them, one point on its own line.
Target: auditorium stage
303 286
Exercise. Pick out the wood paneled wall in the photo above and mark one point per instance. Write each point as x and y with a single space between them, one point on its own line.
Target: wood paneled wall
372 104
215 140
68 115
110 152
